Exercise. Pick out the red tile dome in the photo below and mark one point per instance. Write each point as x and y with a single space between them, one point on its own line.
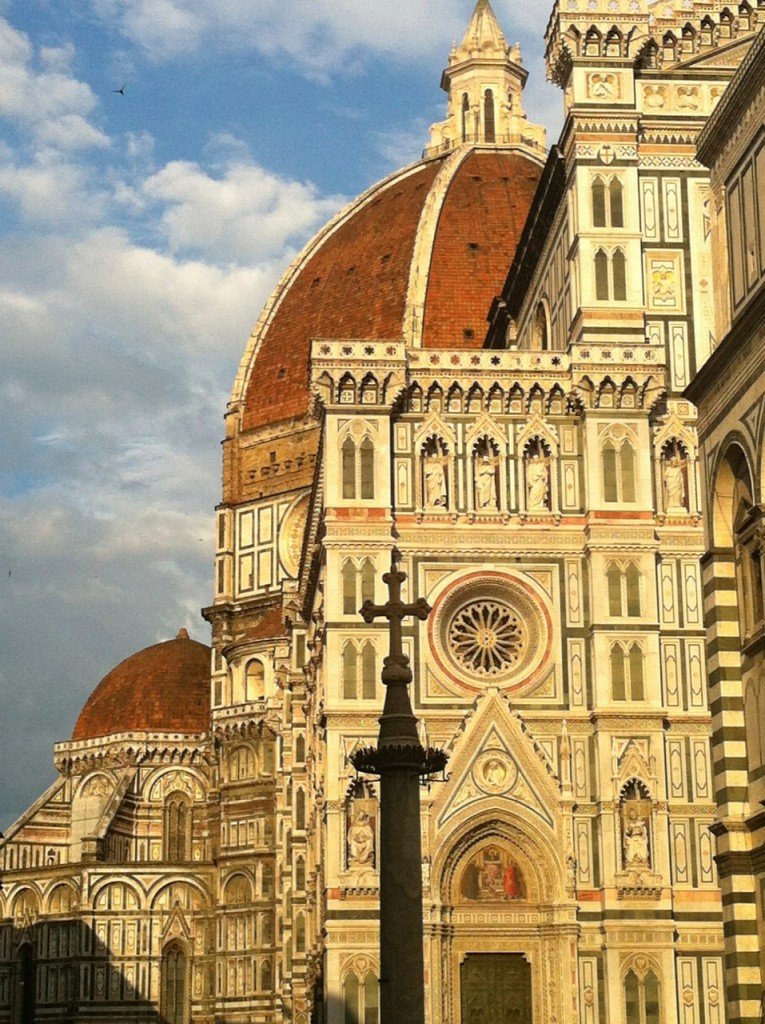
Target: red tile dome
164 688
420 255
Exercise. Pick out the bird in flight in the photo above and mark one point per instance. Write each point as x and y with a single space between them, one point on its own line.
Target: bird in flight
121 90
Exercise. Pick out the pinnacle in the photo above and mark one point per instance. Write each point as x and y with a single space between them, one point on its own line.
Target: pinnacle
484 29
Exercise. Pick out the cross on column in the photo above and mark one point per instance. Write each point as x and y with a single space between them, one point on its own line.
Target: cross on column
398 724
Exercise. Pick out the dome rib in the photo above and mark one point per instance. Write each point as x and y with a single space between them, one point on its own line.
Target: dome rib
164 689
419 256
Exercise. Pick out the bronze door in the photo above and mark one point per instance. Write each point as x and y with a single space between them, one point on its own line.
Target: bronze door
496 989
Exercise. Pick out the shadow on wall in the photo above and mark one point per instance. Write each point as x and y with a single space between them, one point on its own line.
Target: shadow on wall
59 970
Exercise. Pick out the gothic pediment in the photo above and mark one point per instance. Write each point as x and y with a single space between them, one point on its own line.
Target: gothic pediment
494 759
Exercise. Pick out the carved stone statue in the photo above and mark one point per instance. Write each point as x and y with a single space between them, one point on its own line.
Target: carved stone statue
361 841
635 841
485 483
435 481
674 482
537 482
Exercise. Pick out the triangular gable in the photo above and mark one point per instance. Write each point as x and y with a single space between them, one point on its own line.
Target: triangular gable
495 759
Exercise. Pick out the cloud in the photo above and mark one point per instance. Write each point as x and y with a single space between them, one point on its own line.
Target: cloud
318 36
45 100
243 214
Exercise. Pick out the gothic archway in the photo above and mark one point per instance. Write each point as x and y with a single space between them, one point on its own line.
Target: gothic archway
502 897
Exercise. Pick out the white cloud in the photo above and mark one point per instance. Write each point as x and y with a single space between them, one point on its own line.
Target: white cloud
244 214
48 101
317 35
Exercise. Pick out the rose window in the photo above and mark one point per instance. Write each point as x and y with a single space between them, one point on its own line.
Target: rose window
487 637
490 628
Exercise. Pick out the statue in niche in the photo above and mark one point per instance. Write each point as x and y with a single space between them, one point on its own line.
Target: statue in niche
674 471
537 478
360 838
434 475
485 464
635 820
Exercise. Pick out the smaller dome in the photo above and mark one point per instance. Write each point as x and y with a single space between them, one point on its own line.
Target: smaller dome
164 688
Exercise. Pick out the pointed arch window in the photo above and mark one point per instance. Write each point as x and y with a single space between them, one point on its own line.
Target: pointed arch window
350 606
367 581
174 995
488 116
300 748
361 999
368 671
616 202
598 202
177 828
300 933
627 672
367 469
619 484
619 268
540 333
601 276
300 810
642 1004
359 665
350 671
300 874
623 591
349 468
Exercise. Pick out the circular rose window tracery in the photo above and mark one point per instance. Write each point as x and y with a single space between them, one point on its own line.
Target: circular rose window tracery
491 628
487 637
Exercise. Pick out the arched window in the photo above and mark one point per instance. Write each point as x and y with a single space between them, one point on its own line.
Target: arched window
632 579
350 671
300 933
367 469
368 672
488 116
300 874
618 675
349 468
619 265
300 809
177 828
627 673
174 981
350 604
351 1000
255 681
367 581
300 748
465 116
623 591
618 471
642 998
27 984
614 578
361 999
601 275
598 202
266 975
636 689
540 335
616 202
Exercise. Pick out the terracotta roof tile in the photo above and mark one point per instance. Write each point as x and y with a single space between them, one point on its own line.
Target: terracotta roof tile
164 688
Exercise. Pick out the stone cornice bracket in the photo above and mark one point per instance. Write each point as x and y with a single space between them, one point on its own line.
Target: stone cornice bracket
357 376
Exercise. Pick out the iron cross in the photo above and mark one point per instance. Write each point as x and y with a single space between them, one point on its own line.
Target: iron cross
394 610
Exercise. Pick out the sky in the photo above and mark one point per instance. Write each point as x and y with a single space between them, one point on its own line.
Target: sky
140 234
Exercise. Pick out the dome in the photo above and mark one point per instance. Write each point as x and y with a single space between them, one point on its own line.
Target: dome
164 688
420 255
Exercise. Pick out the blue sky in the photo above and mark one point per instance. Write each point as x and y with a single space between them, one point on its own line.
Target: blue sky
141 234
